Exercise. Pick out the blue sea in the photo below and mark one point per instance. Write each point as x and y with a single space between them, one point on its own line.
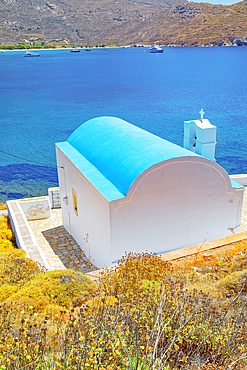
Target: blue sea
43 100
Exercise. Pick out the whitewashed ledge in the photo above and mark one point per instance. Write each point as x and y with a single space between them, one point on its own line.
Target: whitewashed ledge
3 213
25 238
240 179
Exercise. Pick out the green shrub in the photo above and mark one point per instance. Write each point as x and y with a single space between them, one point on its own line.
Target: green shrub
233 283
17 271
63 288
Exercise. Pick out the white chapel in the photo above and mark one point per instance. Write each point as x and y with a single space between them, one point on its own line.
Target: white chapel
125 189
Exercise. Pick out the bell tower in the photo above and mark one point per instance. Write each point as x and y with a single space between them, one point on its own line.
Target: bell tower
200 137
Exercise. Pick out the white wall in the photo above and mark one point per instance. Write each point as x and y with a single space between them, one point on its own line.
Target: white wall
93 212
175 204
240 179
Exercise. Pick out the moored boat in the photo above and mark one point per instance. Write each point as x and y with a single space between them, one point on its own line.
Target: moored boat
155 49
30 54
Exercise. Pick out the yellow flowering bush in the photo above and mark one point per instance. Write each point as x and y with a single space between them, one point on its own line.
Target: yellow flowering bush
59 287
141 316
7 239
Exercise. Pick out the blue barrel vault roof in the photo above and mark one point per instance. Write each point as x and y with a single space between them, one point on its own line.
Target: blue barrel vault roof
112 153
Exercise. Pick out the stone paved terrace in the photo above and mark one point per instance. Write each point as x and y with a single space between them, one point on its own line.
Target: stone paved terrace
61 251
59 248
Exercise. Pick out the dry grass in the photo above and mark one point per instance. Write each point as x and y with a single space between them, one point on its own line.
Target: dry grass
204 270
130 323
145 314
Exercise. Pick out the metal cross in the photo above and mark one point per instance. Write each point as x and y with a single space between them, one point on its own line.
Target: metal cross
201 113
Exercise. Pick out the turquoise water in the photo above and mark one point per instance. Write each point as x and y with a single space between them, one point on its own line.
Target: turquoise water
45 99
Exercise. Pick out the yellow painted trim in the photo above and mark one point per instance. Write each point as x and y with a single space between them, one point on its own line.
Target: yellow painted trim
164 165
32 199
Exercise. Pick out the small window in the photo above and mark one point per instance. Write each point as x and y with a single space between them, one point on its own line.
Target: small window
74 196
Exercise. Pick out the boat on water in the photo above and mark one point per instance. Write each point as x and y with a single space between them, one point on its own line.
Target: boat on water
155 49
31 54
75 50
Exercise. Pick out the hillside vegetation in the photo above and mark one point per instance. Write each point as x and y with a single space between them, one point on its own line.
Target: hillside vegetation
144 314
172 22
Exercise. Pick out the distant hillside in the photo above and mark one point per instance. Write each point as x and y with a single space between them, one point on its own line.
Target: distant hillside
171 22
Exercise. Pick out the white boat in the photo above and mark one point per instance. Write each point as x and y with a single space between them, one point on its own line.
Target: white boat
31 54
155 49
75 50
